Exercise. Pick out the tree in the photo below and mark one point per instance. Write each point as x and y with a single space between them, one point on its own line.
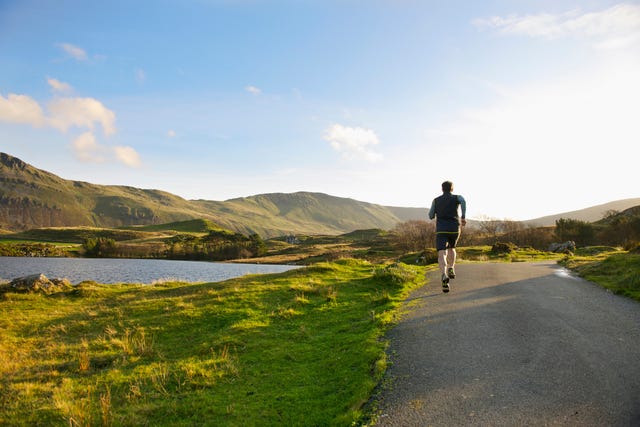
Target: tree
581 232
257 245
99 247
489 226
414 235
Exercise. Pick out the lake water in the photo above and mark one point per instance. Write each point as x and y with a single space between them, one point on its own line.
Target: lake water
107 270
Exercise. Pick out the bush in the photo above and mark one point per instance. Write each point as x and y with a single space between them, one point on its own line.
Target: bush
503 248
633 248
396 274
430 256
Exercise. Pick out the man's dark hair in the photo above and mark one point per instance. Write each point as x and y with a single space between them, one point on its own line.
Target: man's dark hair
447 186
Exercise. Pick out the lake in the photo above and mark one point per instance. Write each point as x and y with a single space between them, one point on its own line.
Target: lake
107 270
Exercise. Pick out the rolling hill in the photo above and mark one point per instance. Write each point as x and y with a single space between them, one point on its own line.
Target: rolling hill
34 198
591 214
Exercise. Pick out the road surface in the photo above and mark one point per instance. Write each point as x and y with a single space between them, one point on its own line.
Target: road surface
513 345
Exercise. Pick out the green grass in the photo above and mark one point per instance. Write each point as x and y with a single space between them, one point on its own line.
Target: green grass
76 234
197 226
616 270
298 348
484 253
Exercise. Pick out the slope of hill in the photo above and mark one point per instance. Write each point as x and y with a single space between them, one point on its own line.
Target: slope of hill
590 214
277 213
30 198
33 198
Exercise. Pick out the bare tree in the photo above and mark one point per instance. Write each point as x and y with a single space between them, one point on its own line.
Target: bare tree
489 226
414 235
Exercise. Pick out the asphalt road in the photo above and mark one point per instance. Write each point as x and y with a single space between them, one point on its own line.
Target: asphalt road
521 344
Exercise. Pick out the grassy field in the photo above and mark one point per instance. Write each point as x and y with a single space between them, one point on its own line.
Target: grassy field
298 348
616 270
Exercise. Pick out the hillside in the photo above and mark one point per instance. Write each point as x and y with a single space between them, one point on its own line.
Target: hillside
591 214
316 213
33 198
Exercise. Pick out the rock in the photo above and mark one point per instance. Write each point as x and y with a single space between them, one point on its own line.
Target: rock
568 246
38 283
503 248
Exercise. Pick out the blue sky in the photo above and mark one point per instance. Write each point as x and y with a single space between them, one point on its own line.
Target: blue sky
529 107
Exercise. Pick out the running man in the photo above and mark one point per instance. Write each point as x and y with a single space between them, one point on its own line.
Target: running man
445 210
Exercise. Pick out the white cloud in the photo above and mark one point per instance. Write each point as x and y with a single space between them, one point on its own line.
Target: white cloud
253 90
616 27
63 112
73 51
81 112
353 143
86 148
21 109
59 86
171 133
128 156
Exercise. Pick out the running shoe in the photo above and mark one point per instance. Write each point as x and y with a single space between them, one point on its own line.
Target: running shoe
451 273
445 283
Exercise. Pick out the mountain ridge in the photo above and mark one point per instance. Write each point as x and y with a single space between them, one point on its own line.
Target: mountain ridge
590 214
34 198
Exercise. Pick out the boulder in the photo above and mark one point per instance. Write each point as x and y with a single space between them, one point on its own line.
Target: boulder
568 246
38 283
503 247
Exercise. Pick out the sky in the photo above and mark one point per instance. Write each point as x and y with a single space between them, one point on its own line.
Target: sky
531 108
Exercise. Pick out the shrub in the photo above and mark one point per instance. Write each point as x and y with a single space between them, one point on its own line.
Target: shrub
503 248
633 248
396 274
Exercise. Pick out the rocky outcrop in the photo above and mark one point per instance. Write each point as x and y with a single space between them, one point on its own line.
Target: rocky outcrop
568 246
36 283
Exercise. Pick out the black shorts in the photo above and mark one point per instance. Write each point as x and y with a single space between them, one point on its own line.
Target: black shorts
446 240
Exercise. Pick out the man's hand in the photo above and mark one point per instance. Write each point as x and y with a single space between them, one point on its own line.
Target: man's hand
463 222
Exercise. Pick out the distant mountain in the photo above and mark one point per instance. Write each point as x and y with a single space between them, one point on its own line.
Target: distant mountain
590 214
31 198
302 212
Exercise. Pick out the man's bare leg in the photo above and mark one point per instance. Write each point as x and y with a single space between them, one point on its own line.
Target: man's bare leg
451 261
442 261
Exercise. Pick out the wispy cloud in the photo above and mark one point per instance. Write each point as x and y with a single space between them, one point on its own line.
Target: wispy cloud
171 133
354 143
615 27
58 86
128 156
73 51
253 90
87 149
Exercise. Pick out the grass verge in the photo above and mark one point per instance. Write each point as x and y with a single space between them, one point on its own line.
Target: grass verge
299 348
616 270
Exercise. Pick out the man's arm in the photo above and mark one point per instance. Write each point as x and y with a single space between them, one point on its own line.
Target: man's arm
463 208
432 211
